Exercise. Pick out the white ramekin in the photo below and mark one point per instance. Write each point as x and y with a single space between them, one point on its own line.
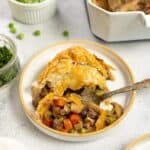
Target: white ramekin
118 26
33 13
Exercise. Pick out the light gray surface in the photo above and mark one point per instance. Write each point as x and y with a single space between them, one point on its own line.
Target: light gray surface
71 15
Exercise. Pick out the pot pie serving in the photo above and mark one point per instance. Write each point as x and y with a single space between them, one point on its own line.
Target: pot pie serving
124 5
72 76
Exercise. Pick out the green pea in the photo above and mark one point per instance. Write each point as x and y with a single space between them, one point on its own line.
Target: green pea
65 33
11 25
5 56
13 30
20 36
37 33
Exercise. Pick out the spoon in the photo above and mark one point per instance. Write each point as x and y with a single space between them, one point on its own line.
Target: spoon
136 86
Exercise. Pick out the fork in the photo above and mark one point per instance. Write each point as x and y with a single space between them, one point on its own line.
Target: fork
136 86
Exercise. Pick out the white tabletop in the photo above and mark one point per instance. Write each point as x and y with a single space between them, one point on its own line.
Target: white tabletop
72 16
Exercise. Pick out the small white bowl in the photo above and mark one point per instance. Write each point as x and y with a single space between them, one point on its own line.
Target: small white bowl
32 13
118 26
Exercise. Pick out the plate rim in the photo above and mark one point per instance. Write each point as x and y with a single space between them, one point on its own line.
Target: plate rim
137 141
28 113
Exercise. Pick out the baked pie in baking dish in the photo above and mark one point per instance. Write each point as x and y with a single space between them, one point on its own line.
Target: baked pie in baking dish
124 5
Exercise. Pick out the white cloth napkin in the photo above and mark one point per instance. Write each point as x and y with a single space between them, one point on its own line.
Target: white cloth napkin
10 144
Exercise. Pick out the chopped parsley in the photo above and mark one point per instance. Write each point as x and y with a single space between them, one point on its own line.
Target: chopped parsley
10 73
5 56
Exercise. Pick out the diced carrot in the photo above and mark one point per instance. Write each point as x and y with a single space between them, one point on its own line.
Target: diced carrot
75 118
47 122
59 102
67 125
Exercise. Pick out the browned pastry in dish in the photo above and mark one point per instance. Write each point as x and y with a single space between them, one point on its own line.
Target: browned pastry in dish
124 5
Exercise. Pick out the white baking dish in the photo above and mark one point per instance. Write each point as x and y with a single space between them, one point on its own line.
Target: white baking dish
118 26
32 13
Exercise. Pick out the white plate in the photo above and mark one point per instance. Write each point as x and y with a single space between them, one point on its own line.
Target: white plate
142 143
39 61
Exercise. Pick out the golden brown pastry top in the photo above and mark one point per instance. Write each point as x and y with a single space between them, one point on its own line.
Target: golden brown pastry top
73 69
78 55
